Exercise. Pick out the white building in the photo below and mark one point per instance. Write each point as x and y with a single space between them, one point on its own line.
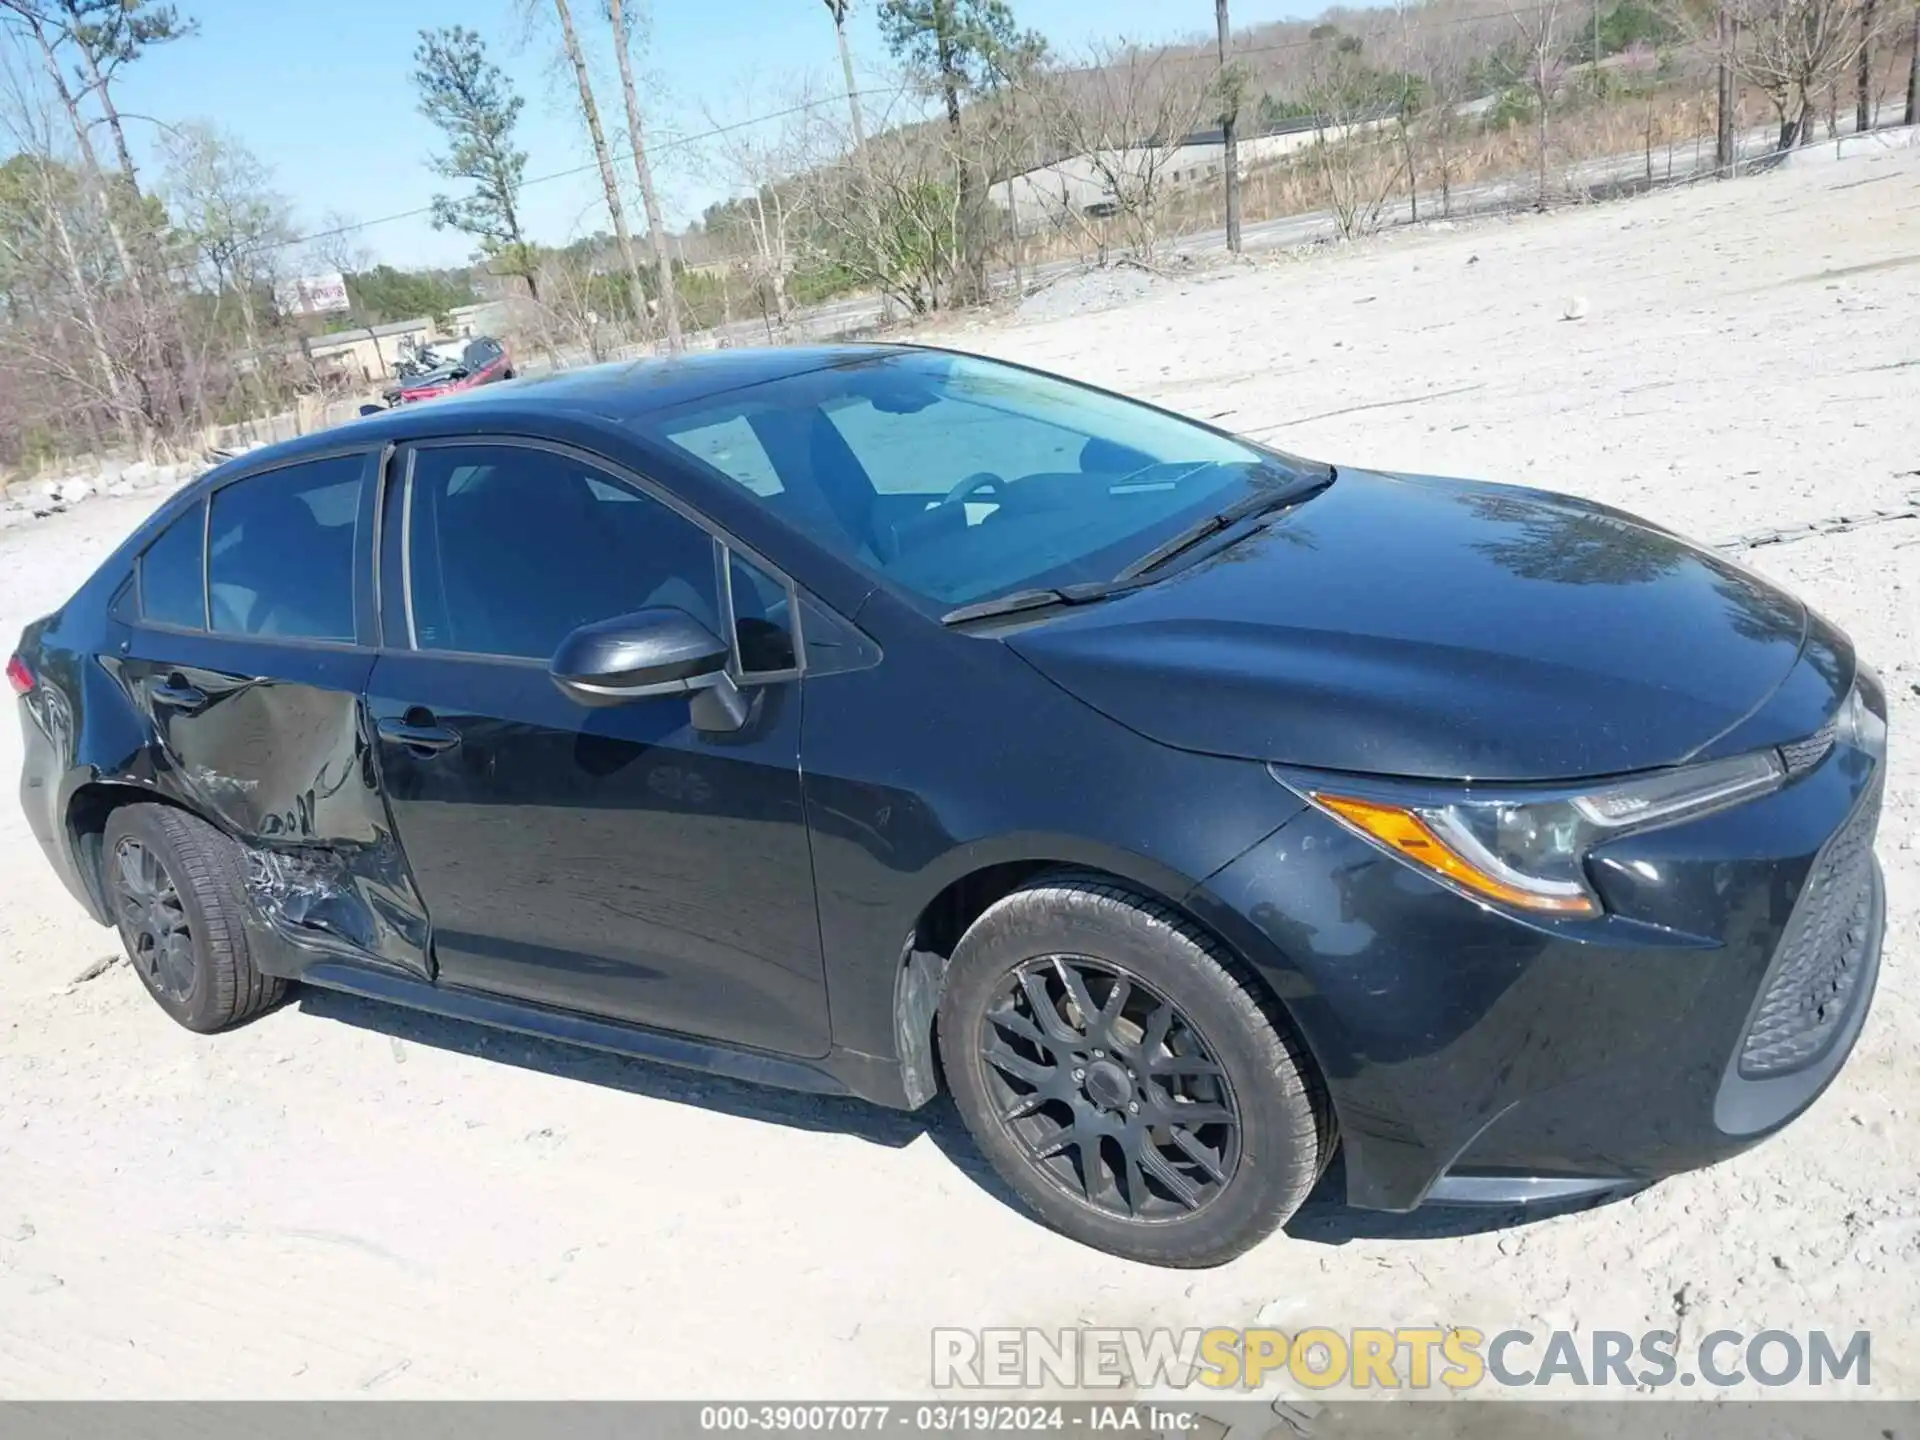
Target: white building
1083 184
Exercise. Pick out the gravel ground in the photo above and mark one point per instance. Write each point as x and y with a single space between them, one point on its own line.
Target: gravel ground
342 1201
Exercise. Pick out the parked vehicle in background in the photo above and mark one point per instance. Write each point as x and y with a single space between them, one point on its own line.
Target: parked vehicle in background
870 719
481 361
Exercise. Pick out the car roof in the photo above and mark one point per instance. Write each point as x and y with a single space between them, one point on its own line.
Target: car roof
606 398
622 391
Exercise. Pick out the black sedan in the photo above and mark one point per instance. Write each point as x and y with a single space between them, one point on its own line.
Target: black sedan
874 719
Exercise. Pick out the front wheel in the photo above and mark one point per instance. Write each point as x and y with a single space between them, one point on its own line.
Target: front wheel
1123 1074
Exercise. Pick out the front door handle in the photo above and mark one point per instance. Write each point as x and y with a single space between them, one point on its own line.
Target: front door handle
177 694
422 736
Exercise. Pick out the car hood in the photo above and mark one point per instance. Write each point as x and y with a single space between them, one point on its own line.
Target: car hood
1405 625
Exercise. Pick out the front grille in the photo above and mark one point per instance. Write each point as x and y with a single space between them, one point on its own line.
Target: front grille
1820 957
1802 755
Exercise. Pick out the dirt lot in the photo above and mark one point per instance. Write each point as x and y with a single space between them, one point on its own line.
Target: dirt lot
339 1200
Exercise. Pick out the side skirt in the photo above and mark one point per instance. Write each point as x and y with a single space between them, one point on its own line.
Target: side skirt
842 1072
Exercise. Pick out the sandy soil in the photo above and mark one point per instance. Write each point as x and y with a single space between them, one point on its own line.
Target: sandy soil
340 1200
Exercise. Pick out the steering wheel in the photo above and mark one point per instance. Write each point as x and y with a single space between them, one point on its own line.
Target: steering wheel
971 486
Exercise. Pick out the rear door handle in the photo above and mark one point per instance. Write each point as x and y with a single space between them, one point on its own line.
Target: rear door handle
177 694
425 737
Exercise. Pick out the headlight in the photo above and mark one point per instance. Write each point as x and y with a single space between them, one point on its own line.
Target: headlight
1862 720
1530 852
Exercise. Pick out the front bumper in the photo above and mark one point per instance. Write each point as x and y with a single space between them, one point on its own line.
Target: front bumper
1475 1057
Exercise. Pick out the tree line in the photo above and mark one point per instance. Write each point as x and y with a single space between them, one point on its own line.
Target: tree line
139 306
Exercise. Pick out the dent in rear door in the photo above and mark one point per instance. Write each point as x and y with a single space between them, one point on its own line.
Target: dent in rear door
265 736
270 744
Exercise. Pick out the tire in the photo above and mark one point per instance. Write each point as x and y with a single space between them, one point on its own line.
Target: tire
1076 925
200 973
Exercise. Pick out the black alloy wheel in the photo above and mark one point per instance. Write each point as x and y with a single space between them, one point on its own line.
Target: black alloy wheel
153 920
177 889
1112 1090
1131 1080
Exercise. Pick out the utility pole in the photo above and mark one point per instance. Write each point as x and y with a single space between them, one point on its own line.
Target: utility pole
1229 116
838 9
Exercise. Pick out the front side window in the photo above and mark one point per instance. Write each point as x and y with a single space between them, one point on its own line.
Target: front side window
173 573
959 478
281 548
510 548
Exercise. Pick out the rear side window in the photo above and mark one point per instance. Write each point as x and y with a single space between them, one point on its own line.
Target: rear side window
281 551
173 573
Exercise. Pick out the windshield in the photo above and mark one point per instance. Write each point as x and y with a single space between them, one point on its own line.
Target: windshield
960 479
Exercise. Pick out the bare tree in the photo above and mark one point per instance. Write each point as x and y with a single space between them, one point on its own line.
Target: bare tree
1863 97
1124 122
223 204
590 111
58 277
33 19
893 222
1543 56
643 172
768 165
1356 171
1795 52
1443 64
1726 41
1913 71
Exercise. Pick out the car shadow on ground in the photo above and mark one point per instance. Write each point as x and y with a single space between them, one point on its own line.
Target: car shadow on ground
1324 1219
838 1114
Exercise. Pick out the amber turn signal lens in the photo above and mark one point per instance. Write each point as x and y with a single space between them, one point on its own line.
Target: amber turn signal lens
1406 834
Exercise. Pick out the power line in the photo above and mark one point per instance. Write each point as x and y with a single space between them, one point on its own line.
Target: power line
672 143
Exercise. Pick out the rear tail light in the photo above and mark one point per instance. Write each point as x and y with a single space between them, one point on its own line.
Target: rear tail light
19 676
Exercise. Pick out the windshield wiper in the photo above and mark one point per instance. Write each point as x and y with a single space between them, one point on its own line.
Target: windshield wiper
1247 506
1272 497
1037 599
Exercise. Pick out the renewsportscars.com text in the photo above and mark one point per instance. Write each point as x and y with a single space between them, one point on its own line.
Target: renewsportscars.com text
1402 1358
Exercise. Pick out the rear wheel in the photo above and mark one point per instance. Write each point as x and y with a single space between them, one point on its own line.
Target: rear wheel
176 886
1121 1072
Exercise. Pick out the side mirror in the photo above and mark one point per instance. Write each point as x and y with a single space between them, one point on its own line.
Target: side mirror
660 651
457 373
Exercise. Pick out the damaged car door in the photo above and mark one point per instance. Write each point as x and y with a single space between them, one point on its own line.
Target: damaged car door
623 860
248 653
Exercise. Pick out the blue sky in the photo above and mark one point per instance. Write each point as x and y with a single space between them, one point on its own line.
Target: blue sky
321 90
